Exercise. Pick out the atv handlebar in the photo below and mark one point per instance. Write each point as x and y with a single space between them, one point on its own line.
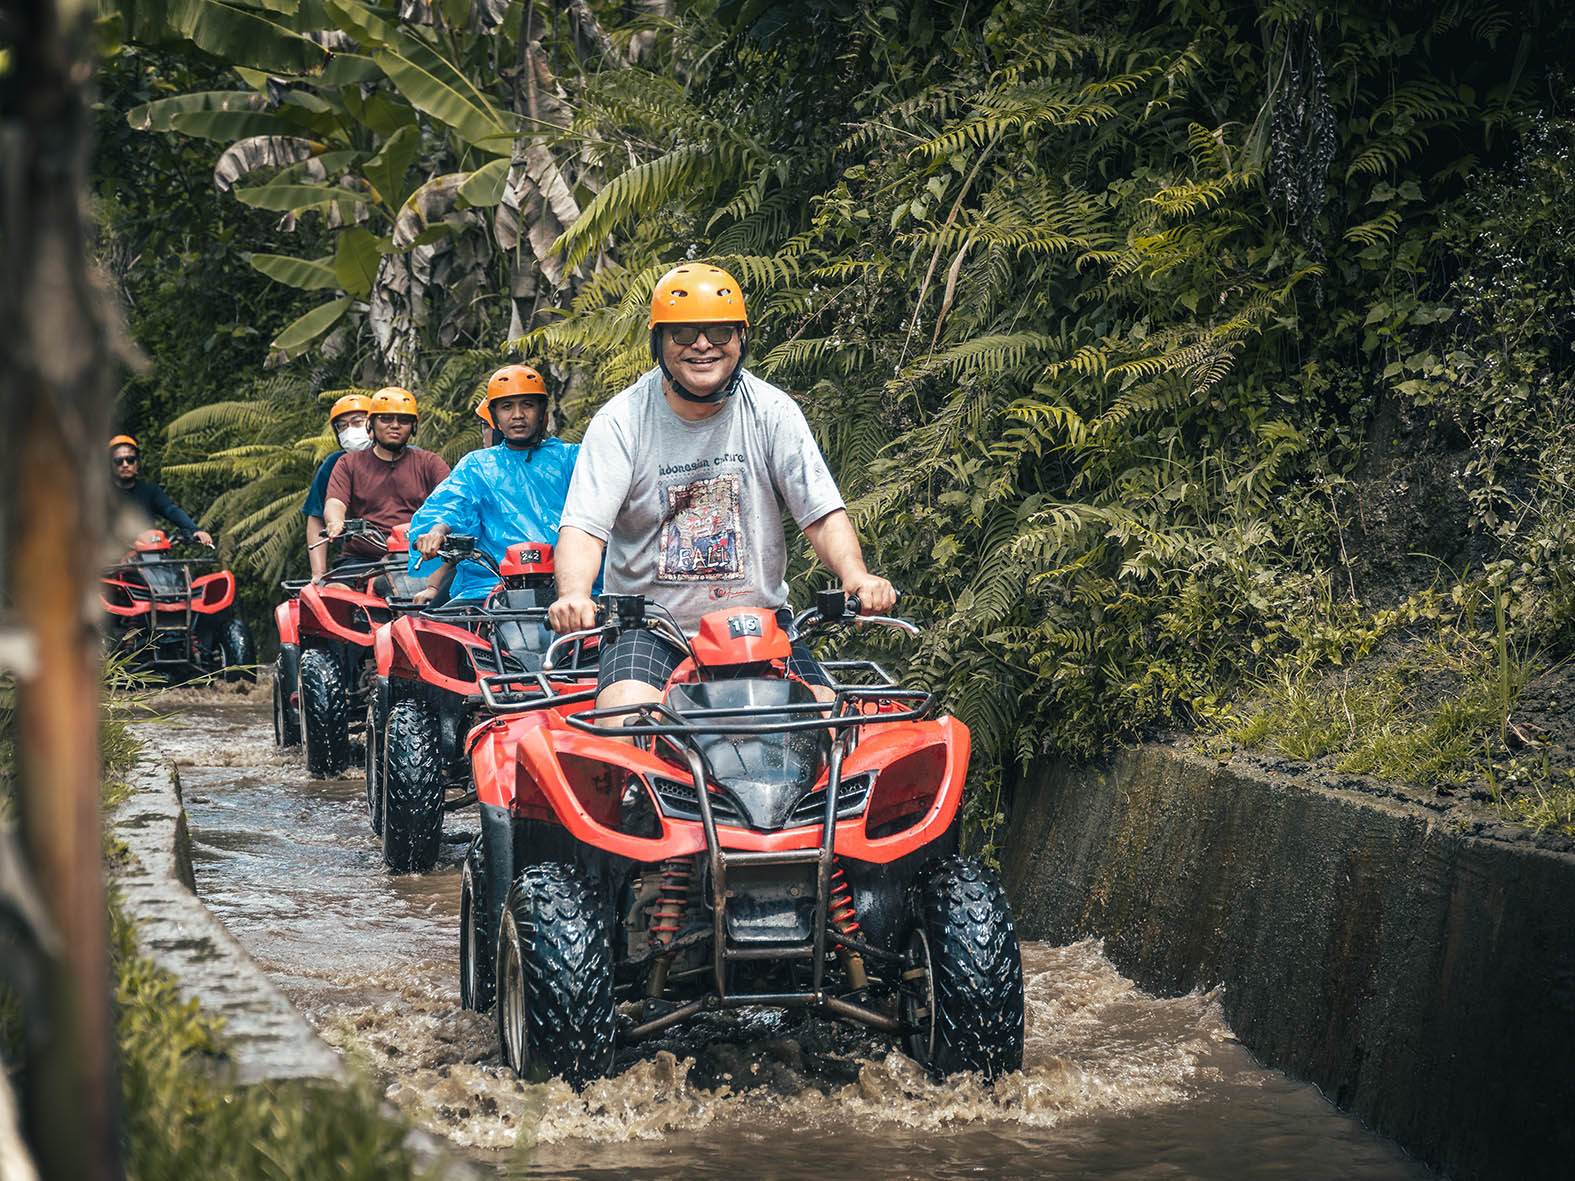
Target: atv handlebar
619 613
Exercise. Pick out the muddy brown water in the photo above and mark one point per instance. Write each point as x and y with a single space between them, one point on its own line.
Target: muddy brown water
1115 1083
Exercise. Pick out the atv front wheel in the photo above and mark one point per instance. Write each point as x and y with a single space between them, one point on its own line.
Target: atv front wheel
286 718
477 938
412 788
236 651
555 977
324 726
962 1003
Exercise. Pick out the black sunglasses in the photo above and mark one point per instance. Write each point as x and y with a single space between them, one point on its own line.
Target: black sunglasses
124 460
687 334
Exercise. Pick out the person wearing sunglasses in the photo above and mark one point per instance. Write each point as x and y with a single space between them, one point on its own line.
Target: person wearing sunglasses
125 459
683 479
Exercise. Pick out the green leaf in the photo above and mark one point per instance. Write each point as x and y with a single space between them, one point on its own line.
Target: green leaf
485 185
229 126
227 32
359 22
294 198
161 114
432 85
311 326
348 69
305 273
356 260
386 171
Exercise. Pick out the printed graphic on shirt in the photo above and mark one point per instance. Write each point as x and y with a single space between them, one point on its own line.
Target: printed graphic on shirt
703 537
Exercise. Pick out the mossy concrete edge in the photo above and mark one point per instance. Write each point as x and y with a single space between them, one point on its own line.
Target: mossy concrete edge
1421 978
266 1036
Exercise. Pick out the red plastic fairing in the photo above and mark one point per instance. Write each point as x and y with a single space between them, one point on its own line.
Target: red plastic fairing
493 768
287 619
434 653
399 539
339 614
575 772
383 647
212 593
526 557
121 600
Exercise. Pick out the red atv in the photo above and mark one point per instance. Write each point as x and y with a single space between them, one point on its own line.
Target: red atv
324 672
172 620
740 843
427 693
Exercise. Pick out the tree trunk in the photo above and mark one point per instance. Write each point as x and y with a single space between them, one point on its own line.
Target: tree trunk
55 369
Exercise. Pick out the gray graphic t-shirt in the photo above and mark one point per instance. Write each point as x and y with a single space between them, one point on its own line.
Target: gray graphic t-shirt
692 511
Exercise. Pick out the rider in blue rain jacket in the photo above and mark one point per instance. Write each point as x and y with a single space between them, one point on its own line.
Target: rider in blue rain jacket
501 495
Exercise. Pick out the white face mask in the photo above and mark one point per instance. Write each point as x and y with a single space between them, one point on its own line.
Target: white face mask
355 438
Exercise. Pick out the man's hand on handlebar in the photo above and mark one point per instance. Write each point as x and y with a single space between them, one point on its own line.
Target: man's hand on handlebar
428 544
572 613
203 536
876 595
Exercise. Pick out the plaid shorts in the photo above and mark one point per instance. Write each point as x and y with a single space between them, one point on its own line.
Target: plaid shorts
643 655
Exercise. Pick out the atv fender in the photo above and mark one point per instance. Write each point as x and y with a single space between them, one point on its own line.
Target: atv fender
287 619
127 604
213 593
437 654
383 647
335 614
497 855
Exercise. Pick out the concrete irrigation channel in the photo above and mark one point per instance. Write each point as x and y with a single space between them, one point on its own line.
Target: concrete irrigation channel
321 962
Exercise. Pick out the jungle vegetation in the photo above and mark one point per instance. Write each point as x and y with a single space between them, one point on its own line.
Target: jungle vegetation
1187 363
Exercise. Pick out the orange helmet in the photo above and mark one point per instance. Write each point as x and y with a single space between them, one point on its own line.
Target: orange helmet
349 404
124 441
513 381
697 293
393 400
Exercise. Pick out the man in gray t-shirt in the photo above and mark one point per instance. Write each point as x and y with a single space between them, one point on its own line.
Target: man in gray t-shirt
683 479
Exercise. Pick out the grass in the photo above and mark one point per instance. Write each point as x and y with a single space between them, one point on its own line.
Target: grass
1433 709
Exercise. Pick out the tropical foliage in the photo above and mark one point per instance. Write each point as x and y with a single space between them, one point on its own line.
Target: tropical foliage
1093 305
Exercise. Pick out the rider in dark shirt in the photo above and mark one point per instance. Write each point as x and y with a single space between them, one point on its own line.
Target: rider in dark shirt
125 459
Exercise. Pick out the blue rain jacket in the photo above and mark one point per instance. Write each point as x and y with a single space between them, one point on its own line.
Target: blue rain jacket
501 497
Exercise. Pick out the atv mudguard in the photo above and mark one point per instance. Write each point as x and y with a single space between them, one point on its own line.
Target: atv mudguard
213 593
333 613
433 653
287 621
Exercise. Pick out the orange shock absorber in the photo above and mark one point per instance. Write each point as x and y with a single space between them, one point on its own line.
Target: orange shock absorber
666 915
842 917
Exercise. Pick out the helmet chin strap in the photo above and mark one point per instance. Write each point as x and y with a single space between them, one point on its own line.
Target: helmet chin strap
728 389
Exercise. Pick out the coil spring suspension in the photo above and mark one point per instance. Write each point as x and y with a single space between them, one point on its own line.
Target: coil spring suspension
667 914
842 916
840 913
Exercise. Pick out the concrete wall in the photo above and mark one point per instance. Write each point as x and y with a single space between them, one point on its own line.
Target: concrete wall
1421 978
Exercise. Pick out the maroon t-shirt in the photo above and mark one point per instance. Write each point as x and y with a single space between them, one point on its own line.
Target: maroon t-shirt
384 493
